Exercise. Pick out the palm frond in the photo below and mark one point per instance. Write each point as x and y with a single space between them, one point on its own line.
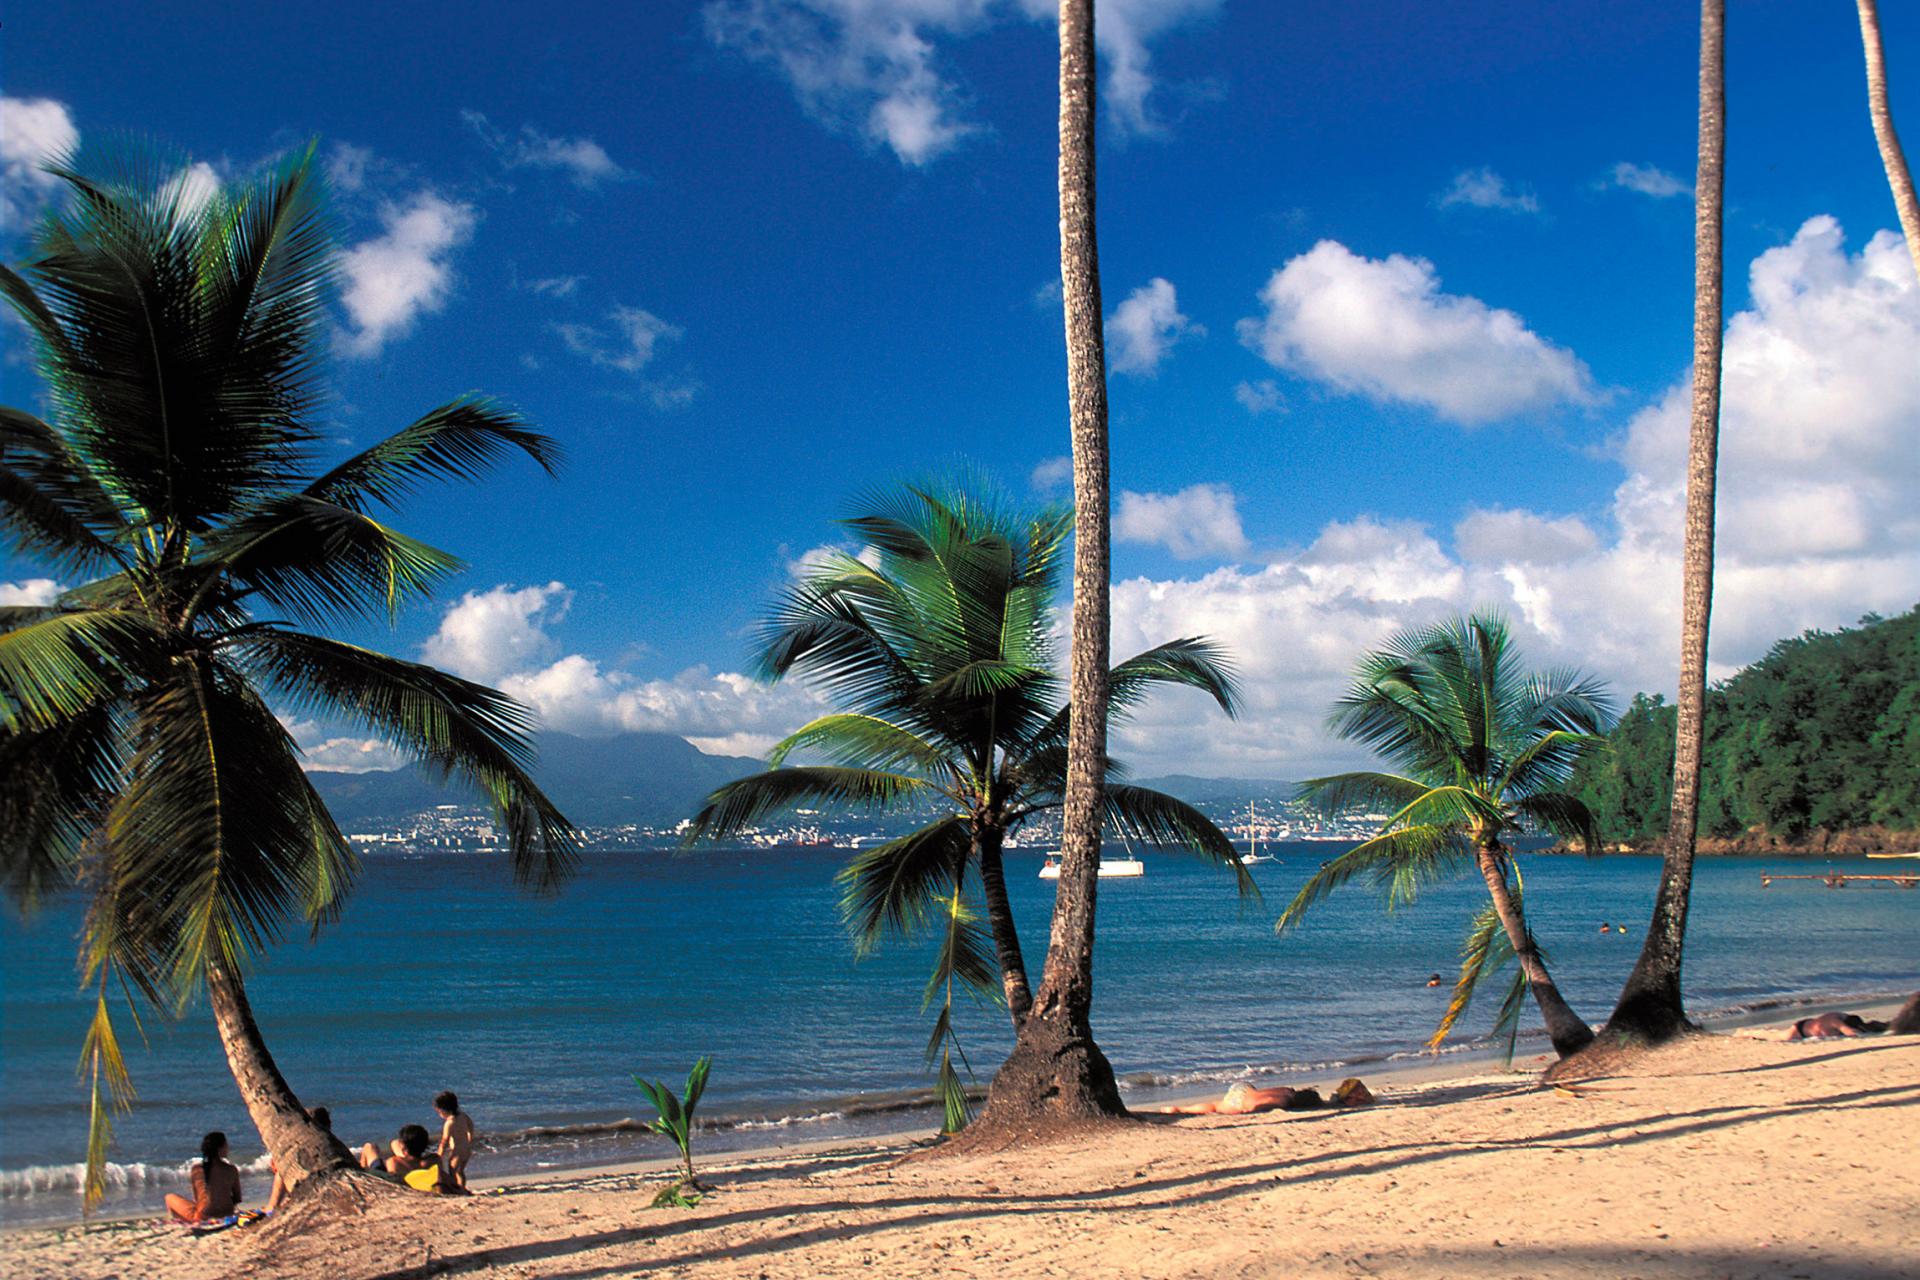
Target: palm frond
1361 790
1566 816
57 665
1156 818
1401 862
891 887
743 803
110 1092
460 440
55 784
863 741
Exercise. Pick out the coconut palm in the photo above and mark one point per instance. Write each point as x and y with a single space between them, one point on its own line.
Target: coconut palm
1892 157
1056 1072
141 757
937 645
1483 750
1651 1008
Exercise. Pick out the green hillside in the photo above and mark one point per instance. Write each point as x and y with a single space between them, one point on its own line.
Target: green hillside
1820 737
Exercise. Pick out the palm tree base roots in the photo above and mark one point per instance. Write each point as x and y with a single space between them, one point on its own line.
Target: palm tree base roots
1055 1080
333 1196
1615 1051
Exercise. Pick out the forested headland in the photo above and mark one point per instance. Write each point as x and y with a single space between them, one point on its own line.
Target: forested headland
1816 747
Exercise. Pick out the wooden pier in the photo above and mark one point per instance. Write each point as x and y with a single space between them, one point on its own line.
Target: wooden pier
1840 879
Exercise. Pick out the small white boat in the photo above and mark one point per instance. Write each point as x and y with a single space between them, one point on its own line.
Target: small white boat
1253 857
1894 855
1110 868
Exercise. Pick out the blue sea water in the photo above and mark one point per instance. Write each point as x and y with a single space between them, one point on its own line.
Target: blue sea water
538 1012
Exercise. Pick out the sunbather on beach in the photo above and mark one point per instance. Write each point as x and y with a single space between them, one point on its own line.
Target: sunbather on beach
1245 1100
1827 1026
456 1138
407 1153
216 1185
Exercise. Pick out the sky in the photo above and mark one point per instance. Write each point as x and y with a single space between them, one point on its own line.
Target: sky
1398 303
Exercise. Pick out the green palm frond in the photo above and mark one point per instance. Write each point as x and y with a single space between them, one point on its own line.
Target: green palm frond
743 803
55 665
1156 818
59 782
461 440
1362 790
891 887
49 503
462 730
866 742
1564 815
962 959
1401 862
110 1092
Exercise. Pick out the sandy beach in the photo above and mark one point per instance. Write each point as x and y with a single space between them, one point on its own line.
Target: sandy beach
1729 1155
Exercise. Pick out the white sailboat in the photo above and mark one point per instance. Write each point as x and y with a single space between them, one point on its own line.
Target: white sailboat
1125 868
1253 857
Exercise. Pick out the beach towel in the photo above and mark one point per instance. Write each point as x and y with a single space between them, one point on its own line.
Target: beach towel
424 1179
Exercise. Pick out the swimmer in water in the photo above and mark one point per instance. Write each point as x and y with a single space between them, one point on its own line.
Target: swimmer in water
1434 981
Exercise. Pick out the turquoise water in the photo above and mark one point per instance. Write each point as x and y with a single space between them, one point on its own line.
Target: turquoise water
538 1012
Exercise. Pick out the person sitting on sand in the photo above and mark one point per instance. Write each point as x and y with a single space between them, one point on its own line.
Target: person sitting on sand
216 1185
1827 1026
408 1154
278 1195
456 1138
1245 1100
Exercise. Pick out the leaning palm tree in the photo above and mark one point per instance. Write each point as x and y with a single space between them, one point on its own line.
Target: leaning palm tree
1483 751
1651 1008
141 757
1056 1073
937 644
1892 157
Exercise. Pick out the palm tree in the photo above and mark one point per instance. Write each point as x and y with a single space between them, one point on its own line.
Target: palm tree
937 645
140 754
1899 177
1483 751
1056 1073
1650 1008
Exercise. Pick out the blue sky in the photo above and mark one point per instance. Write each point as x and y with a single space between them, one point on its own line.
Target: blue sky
1398 297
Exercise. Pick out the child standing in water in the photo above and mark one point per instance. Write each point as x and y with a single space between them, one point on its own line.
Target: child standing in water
456 1138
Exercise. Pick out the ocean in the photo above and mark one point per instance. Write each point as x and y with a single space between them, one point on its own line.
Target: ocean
539 1012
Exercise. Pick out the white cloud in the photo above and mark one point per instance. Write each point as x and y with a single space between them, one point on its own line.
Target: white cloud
1047 296
1052 473
33 591
321 753
871 67
1485 189
488 634
628 345
1144 328
1200 520
1501 535
1818 527
576 695
391 280
1260 397
583 160
826 553
193 186
347 166
1647 180
556 286
1382 328
32 131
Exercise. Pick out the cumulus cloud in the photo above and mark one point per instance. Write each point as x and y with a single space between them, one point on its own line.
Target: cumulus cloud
1821 403
487 634
1052 473
388 282
324 753
1200 520
32 132
1260 397
1485 189
1647 180
1144 328
584 161
32 591
628 344
871 68
1382 328
193 186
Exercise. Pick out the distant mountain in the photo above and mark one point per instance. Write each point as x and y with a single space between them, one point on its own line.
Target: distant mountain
652 778
1215 791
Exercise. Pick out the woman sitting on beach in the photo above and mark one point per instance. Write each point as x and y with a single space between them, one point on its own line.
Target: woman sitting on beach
216 1185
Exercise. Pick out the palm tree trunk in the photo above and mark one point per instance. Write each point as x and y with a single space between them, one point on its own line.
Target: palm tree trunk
1567 1029
1056 1072
300 1148
987 841
1899 177
1650 1007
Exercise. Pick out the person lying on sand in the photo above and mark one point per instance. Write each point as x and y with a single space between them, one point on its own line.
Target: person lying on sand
1245 1100
216 1185
1827 1026
456 1138
408 1154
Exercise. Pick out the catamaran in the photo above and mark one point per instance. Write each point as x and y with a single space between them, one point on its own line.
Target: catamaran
1253 856
1110 868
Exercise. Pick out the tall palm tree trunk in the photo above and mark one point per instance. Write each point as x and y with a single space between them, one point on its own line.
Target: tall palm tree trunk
1567 1029
300 1148
1899 177
1650 1007
987 842
1056 1072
